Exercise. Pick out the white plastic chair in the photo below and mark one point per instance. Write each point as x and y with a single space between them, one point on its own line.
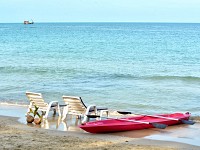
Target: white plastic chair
75 106
36 99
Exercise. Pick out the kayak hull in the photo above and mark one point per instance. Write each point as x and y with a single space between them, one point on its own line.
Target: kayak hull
128 124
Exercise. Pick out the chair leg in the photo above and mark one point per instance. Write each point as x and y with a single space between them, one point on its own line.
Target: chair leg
102 111
58 109
65 111
58 122
86 119
47 112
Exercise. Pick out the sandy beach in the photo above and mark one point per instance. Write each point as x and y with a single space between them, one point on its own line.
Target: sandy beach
16 135
128 58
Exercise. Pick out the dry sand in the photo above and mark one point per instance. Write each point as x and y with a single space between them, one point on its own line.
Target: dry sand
15 135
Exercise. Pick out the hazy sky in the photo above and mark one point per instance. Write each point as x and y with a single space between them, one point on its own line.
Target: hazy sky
100 10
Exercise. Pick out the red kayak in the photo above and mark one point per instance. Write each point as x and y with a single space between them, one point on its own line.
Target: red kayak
136 123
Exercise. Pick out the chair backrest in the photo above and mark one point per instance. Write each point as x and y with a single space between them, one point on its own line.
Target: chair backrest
75 105
36 99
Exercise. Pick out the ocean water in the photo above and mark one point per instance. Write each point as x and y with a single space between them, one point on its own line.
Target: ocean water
141 67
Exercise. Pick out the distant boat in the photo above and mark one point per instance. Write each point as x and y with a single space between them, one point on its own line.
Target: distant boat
28 22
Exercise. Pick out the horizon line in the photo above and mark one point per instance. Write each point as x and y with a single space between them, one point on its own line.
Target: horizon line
105 22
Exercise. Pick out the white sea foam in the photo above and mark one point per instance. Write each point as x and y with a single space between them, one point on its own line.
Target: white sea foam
12 104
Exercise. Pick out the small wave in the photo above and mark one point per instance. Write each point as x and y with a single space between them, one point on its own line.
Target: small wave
116 76
122 76
195 118
37 70
4 28
13 104
131 76
183 78
125 76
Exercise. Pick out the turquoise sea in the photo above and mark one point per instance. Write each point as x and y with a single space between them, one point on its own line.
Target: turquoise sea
142 67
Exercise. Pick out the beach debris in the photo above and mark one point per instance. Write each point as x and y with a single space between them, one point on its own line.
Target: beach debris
37 120
32 118
29 119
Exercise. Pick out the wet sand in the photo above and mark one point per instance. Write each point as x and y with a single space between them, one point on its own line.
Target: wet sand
15 134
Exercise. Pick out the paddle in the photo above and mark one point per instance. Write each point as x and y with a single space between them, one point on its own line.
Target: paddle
190 122
156 125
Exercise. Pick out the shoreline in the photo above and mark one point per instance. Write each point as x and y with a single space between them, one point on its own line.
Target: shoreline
173 137
17 135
